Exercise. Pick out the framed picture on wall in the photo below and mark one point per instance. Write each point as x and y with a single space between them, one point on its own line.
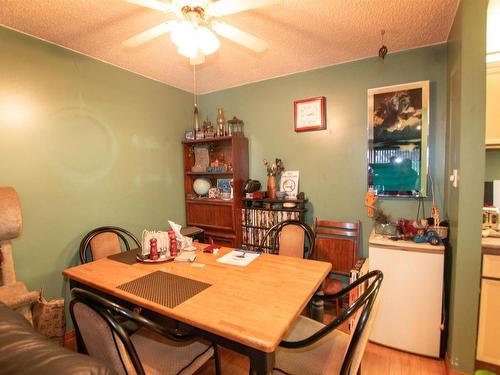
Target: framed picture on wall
398 129
309 114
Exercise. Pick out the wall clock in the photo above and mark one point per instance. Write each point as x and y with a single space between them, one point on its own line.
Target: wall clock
309 114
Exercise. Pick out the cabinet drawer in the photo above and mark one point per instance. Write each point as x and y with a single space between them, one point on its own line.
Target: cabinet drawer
491 266
210 216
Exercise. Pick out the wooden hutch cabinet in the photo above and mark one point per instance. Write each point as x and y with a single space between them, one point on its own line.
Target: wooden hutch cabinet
221 219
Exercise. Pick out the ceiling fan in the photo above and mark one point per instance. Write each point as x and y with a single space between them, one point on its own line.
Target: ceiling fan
192 24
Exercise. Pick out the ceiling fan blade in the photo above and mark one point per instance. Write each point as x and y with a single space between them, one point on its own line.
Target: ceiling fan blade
152 4
238 36
225 7
149 34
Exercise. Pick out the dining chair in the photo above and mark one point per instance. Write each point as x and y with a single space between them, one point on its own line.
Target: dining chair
336 242
290 238
153 349
313 348
104 241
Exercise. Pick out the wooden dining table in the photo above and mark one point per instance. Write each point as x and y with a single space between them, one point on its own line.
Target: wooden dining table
248 309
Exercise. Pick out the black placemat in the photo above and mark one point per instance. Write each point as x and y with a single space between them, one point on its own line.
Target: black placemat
127 257
164 288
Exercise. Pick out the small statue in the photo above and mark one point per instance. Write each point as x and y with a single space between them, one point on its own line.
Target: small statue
208 128
370 201
435 215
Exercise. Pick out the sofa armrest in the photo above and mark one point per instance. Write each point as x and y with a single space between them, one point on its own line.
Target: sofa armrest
25 351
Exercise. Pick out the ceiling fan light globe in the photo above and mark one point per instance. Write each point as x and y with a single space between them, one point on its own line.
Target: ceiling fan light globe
183 33
207 41
188 50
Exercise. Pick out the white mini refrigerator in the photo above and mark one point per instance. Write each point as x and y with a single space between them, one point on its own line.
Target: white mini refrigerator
411 296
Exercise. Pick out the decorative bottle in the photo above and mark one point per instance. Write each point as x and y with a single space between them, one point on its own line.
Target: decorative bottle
221 121
196 123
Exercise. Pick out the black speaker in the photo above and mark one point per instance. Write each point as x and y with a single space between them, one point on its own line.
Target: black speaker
251 186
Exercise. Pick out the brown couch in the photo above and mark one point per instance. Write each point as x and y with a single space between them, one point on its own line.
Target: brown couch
24 351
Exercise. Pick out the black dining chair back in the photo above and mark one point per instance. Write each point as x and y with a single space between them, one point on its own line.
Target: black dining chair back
104 241
316 342
152 349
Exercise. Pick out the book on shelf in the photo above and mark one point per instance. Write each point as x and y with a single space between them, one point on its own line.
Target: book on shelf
256 223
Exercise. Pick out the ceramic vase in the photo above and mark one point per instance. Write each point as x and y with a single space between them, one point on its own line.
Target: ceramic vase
271 187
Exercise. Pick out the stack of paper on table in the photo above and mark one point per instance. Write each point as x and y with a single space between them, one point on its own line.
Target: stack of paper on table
234 257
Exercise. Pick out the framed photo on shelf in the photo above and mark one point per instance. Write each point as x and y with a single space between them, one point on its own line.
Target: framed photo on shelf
224 185
309 114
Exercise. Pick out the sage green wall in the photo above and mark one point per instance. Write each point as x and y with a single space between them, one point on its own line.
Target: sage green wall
332 162
466 132
85 144
492 170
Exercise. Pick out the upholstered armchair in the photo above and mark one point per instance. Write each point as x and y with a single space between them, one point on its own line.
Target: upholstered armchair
13 293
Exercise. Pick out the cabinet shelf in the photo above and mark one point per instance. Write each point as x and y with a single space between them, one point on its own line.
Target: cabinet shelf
210 140
295 209
254 226
220 202
269 200
221 219
209 173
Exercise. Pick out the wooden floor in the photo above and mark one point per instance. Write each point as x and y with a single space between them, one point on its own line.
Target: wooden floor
378 360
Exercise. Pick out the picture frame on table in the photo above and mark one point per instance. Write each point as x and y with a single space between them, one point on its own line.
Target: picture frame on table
309 114
189 135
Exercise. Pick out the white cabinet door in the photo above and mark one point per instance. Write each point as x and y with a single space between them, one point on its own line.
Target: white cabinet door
488 339
492 108
409 316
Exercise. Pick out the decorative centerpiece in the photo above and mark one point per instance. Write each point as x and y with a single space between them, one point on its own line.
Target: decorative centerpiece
198 132
272 171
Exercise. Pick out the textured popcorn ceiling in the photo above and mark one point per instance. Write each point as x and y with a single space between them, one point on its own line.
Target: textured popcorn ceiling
302 35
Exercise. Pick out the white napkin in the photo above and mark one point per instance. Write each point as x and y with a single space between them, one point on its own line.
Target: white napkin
184 243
